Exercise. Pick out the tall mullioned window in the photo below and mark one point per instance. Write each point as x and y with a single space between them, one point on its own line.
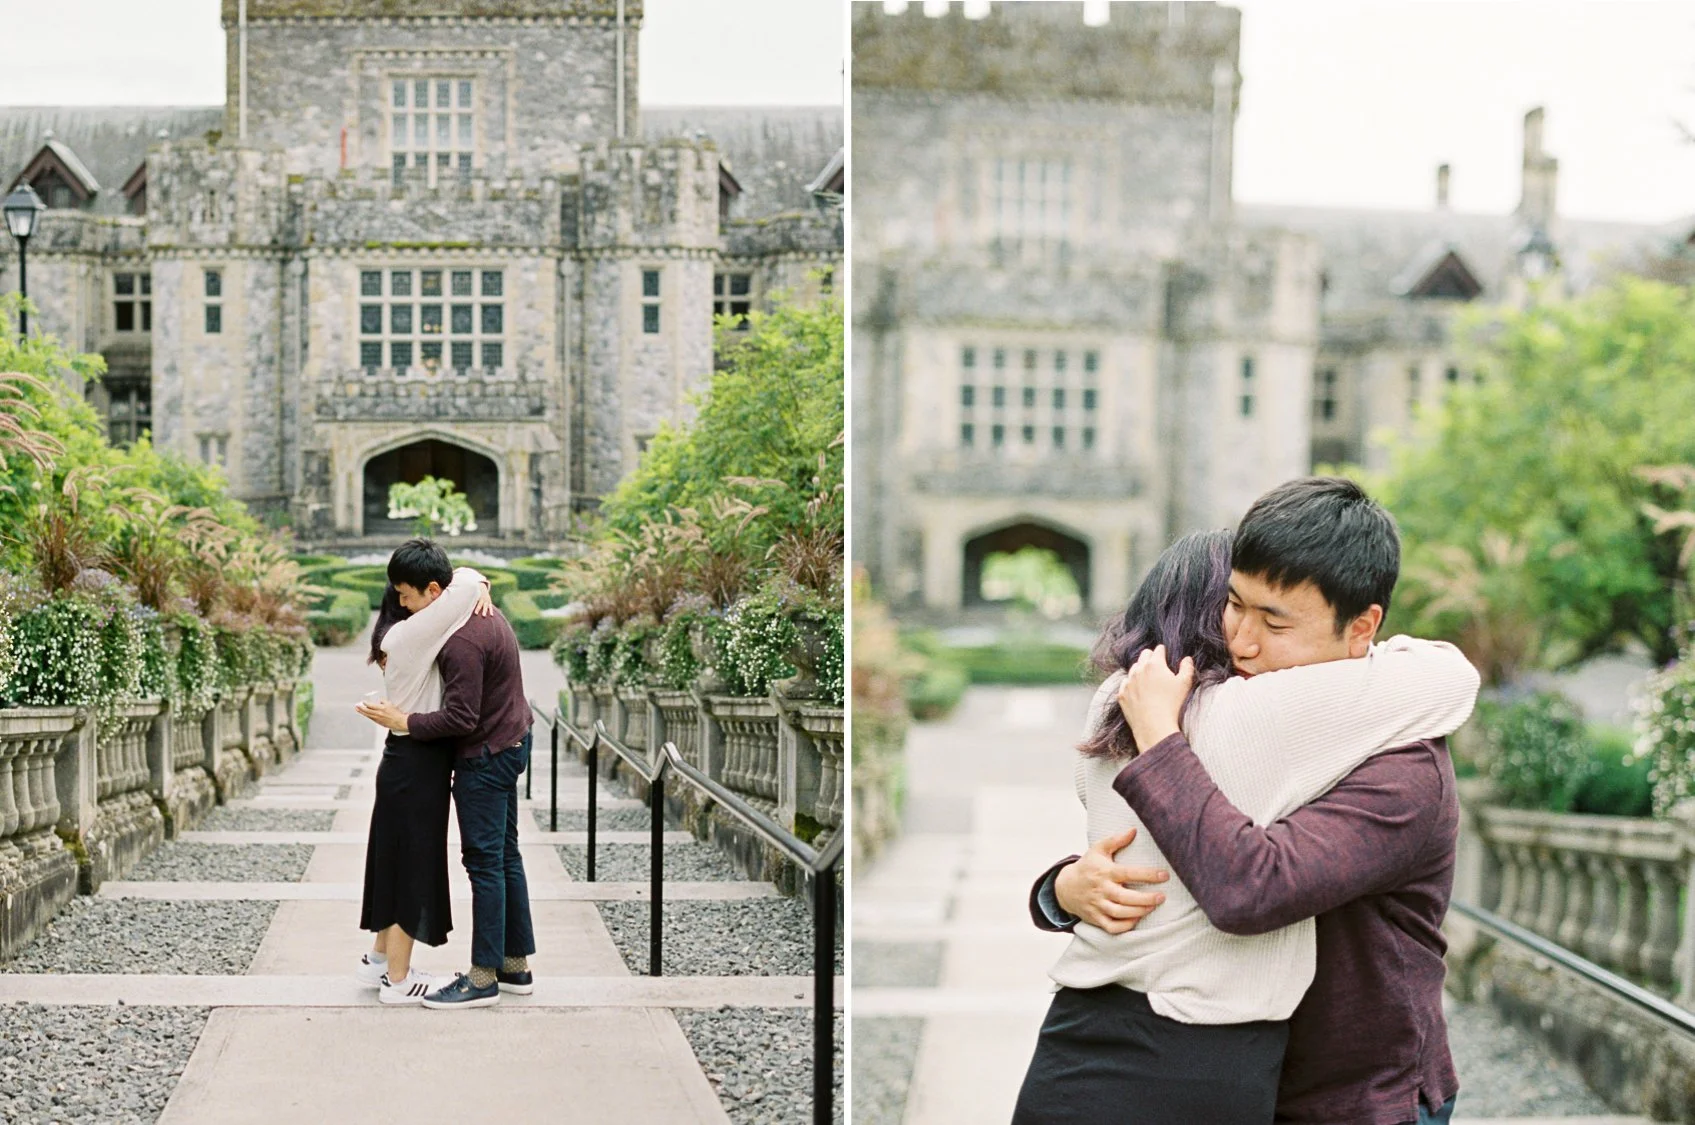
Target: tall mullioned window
650 302
1031 199
732 295
132 302
1054 408
432 318
432 127
213 283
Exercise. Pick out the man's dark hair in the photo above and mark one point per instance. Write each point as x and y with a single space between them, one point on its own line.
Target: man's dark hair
1325 530
417 563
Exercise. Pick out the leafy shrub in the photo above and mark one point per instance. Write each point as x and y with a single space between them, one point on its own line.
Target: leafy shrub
58 652
1619 783
1022 662
197 665
1536 750
760 630
571 652
523 612
1665 734
937 690
342 619
304 701
536 573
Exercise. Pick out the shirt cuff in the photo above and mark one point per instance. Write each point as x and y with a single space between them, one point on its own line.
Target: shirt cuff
1044 902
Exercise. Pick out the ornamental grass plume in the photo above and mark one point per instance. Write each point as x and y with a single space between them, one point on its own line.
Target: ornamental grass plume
19 434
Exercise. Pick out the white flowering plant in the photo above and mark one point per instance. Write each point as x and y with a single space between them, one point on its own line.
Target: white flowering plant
436 507
1665 733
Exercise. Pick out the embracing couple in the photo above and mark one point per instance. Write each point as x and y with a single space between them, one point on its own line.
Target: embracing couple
458 722
1272 819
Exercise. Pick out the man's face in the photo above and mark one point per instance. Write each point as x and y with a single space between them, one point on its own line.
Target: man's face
414 599
1271 627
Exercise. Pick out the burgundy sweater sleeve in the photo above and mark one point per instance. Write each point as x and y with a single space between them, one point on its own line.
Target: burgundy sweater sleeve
1357 839
461 665
1038 915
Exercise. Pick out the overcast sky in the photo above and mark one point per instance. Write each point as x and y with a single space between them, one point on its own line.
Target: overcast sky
171 52
1355 102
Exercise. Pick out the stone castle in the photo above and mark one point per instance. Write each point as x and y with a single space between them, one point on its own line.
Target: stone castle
1068 334
420 237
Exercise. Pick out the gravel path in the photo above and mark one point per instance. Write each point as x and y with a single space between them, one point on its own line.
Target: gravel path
884 1051
752 937
631 863
759 1060
1506 1071
222 818
897 964
109 935
224 863
609 820
94 1065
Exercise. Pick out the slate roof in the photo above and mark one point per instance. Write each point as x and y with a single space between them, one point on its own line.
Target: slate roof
773 152
109 142
1369 255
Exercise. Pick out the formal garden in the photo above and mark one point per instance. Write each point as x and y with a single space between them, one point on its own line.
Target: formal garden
153 641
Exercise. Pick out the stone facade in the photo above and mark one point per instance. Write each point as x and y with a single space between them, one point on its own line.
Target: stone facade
1067 332
422 239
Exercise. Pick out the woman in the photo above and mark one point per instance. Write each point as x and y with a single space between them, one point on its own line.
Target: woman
406 893
1202 1035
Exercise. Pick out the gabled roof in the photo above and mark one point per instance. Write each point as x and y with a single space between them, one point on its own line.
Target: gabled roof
772 151
830 180
109 142
1438 272
57 156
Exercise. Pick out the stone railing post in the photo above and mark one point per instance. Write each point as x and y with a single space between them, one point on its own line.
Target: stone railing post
161 769
38 873
1477 880
76 776
710 744
798 767
1684 970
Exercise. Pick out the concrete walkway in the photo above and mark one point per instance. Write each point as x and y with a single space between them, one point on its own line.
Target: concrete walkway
298 1039
950 978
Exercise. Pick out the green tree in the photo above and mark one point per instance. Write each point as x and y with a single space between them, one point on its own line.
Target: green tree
767 415
1544 451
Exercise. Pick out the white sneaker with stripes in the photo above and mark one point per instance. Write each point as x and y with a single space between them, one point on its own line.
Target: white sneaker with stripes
409 991
369 972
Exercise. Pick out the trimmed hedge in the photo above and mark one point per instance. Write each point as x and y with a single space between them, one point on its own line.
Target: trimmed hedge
536 573
342 620
523 610
312 562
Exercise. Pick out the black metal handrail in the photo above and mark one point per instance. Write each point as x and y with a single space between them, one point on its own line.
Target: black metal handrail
821 865
530 773
1663 1010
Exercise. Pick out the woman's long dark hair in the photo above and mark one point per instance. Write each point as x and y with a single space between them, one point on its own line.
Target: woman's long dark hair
390 612
1180 605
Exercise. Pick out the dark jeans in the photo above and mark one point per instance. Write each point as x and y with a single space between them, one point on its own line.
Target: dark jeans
485 794
1440 1117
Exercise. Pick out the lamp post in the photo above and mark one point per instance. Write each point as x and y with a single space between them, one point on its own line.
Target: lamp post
23 207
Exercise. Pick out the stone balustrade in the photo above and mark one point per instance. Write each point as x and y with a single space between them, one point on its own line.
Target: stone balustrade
1608 888
85 796
783 755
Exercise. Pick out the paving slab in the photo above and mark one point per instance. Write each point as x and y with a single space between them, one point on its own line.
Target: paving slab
352 892
340 990
325 938
260 1066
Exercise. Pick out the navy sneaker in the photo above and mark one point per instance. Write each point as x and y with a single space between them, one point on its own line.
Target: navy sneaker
461 993
521 983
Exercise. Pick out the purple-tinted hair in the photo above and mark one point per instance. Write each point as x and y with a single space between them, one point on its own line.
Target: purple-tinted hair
1180 605
390 612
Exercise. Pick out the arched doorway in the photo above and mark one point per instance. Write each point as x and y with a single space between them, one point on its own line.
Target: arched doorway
1072 552
474 474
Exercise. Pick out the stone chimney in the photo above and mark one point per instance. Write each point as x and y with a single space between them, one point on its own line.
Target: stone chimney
1220 188
1541 171
1441 187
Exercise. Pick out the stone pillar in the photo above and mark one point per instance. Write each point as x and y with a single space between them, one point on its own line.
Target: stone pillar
1474 884
1683 969
38 873
161 776
76 775
797 767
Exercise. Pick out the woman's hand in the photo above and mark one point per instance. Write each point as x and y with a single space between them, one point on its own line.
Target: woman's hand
1152 696
484 606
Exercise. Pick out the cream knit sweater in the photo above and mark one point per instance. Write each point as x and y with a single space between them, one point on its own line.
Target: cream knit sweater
1272 742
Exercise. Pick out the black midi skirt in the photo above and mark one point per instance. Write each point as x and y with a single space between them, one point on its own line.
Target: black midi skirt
406 855
1105 1057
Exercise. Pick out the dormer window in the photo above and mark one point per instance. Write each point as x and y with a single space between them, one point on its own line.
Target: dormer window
135 191
59 177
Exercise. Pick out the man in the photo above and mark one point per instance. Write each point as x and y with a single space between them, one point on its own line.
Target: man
1313 565
486 715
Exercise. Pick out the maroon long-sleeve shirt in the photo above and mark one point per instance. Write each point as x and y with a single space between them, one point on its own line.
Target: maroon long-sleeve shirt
1373 861
482 690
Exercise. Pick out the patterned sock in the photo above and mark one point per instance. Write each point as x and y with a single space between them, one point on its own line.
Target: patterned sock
515 965
482 977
